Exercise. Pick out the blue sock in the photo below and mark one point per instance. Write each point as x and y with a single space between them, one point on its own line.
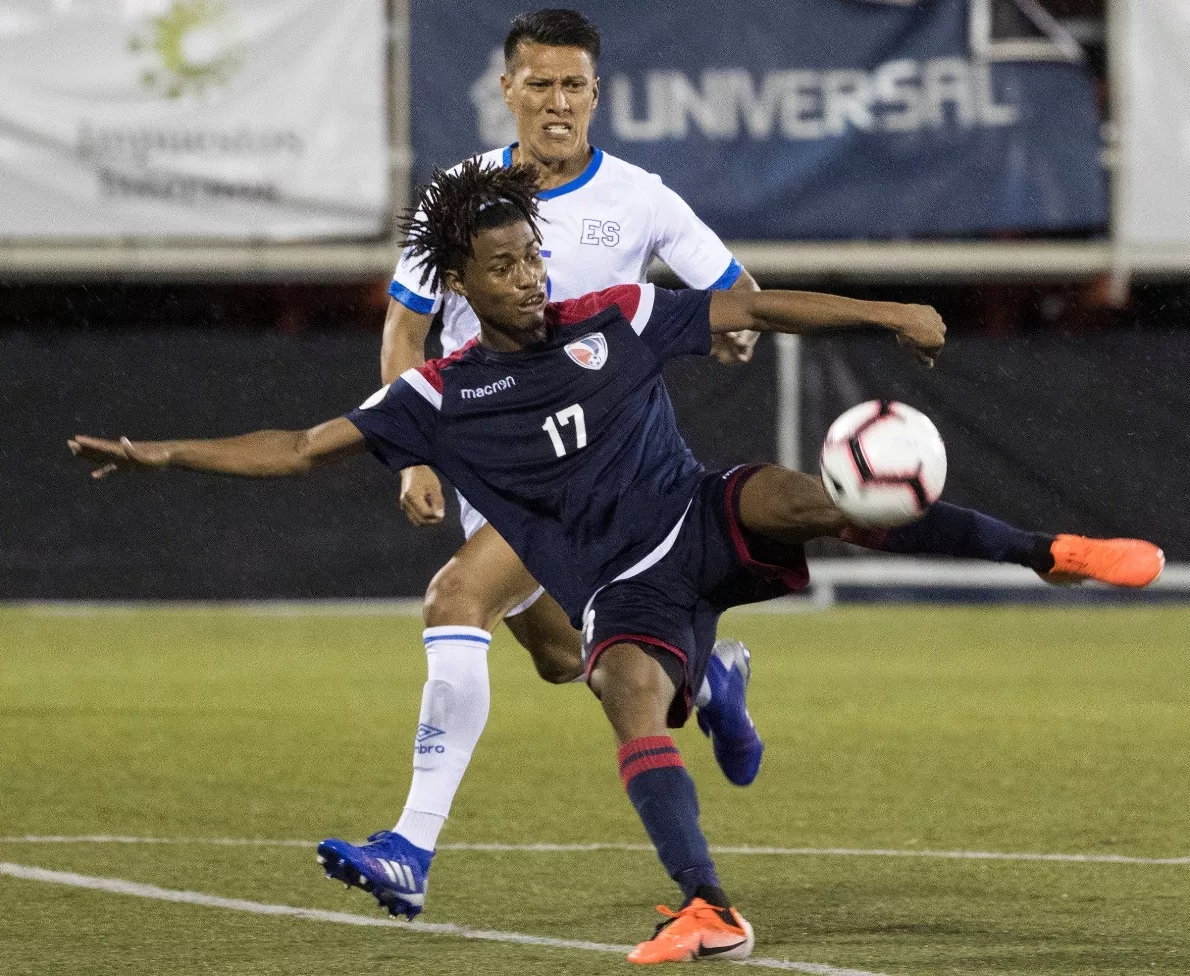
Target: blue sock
948 530
663 794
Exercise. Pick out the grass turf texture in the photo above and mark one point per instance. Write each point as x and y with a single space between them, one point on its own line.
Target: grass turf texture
932 729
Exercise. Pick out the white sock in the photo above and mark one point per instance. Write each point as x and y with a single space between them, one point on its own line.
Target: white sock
454 710
704 694
420 829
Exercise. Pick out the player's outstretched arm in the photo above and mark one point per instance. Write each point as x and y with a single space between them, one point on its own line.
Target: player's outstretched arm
263 454
918 326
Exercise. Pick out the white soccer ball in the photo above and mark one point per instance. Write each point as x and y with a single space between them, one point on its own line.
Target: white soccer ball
883 464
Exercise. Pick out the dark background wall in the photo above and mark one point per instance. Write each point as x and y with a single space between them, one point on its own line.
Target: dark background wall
1056 421
335 533
1087 434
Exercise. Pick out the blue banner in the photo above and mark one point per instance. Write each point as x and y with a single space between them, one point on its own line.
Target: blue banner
805 119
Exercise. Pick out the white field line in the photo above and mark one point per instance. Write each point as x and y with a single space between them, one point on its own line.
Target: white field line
546 848
838 852
120 887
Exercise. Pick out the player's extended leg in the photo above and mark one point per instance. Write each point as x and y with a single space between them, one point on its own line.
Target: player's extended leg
636 692
788 506
793 507
951 530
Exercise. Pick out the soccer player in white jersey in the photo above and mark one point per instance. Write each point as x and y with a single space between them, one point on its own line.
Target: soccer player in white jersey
603 221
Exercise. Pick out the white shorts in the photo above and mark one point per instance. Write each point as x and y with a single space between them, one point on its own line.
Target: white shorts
472 523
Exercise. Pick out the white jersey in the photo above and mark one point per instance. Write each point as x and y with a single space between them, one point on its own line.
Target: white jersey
603 228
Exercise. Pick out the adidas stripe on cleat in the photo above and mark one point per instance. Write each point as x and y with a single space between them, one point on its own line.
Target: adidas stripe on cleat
389 868
698 931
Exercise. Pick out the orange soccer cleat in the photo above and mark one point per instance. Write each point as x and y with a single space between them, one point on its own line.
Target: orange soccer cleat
1121 562
698 931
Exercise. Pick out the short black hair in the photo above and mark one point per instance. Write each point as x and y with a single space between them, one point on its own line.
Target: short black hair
556 27
457 205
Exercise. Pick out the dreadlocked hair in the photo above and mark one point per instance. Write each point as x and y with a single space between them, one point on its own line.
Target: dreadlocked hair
454 207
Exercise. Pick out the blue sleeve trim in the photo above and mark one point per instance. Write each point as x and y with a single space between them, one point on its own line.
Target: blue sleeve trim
729 277
411 300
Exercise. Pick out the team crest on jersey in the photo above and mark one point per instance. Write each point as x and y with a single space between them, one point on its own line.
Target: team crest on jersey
590 352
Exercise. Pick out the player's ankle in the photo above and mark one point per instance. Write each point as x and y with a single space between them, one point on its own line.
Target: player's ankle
1041 556
420 829
713 895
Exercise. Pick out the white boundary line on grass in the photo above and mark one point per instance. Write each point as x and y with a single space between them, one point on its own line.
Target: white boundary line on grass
547 848
136 889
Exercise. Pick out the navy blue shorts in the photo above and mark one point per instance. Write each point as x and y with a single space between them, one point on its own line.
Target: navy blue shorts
673 607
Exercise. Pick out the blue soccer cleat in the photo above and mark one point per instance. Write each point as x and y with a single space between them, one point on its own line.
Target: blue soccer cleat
389 868
725 717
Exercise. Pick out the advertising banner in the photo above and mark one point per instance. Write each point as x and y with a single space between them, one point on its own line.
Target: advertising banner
237 119
1157 128
806 119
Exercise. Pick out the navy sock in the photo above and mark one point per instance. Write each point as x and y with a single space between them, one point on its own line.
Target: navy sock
948 530
663 794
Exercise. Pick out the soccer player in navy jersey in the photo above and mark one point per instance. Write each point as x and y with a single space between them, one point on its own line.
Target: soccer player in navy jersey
556 424
603 221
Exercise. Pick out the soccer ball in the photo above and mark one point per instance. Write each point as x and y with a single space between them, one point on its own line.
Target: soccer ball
883 464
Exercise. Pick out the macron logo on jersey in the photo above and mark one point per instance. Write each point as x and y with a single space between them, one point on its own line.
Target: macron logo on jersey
477 392
590 352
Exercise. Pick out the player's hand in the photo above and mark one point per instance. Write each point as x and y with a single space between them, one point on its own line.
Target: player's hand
734 347
121 455
421 496
921 328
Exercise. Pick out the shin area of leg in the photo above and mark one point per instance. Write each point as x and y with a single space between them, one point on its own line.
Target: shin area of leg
454 709
636 693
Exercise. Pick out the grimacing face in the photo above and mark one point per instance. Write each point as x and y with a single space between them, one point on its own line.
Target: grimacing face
505 282
552 91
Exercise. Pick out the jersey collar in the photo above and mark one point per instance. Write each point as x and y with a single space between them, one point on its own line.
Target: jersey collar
579 181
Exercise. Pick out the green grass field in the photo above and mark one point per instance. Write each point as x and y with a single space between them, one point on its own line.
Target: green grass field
903 729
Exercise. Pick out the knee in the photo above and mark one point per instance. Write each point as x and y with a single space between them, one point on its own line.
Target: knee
452 599
559 662
544 630
634 691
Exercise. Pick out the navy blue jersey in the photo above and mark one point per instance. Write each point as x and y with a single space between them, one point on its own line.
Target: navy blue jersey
570 448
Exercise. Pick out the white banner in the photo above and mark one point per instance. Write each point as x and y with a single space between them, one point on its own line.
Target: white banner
1156 201
236 119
